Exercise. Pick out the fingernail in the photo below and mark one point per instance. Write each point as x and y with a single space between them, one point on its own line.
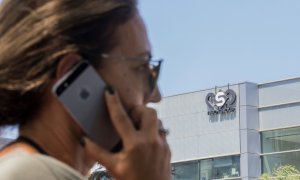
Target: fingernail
82 141
110 89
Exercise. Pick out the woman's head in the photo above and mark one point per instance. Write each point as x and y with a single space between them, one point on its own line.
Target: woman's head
35 35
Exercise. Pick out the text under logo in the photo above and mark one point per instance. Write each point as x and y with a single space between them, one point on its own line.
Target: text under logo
221 103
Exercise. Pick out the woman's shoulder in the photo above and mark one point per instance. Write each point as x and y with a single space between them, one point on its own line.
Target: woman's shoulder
22 165
61 169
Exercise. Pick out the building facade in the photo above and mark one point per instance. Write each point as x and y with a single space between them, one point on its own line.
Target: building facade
7 134
233 132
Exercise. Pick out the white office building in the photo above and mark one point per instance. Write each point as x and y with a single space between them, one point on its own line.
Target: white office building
233 132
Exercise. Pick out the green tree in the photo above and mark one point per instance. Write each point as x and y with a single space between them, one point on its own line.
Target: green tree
286 172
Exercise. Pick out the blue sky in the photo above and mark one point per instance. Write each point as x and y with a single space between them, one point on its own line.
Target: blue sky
209 43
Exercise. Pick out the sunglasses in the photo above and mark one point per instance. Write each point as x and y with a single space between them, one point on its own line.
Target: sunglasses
153 67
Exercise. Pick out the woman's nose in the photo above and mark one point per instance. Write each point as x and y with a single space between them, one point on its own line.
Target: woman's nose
155 96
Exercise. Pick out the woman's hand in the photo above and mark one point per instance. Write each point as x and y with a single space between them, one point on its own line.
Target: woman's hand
145 155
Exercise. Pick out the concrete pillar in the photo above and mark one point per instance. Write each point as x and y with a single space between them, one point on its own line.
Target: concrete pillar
249 132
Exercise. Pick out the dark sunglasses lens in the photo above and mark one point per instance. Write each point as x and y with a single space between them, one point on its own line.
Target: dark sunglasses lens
153 76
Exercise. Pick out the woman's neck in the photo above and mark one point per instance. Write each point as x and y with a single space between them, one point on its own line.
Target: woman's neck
54 131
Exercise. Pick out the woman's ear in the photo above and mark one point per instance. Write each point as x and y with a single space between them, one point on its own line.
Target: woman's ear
66 64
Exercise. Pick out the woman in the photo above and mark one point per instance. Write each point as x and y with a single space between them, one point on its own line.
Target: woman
40 41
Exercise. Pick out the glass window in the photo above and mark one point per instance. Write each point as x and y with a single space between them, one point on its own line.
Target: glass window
206 167
281 140
217 168
273 161
226 167
186 171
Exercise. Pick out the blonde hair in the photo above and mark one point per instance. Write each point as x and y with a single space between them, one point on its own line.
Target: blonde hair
35 34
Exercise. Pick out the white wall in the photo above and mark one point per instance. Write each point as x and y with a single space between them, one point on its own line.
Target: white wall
193 134
279 104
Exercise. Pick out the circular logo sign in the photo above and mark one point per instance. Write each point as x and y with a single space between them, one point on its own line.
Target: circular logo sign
222 102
